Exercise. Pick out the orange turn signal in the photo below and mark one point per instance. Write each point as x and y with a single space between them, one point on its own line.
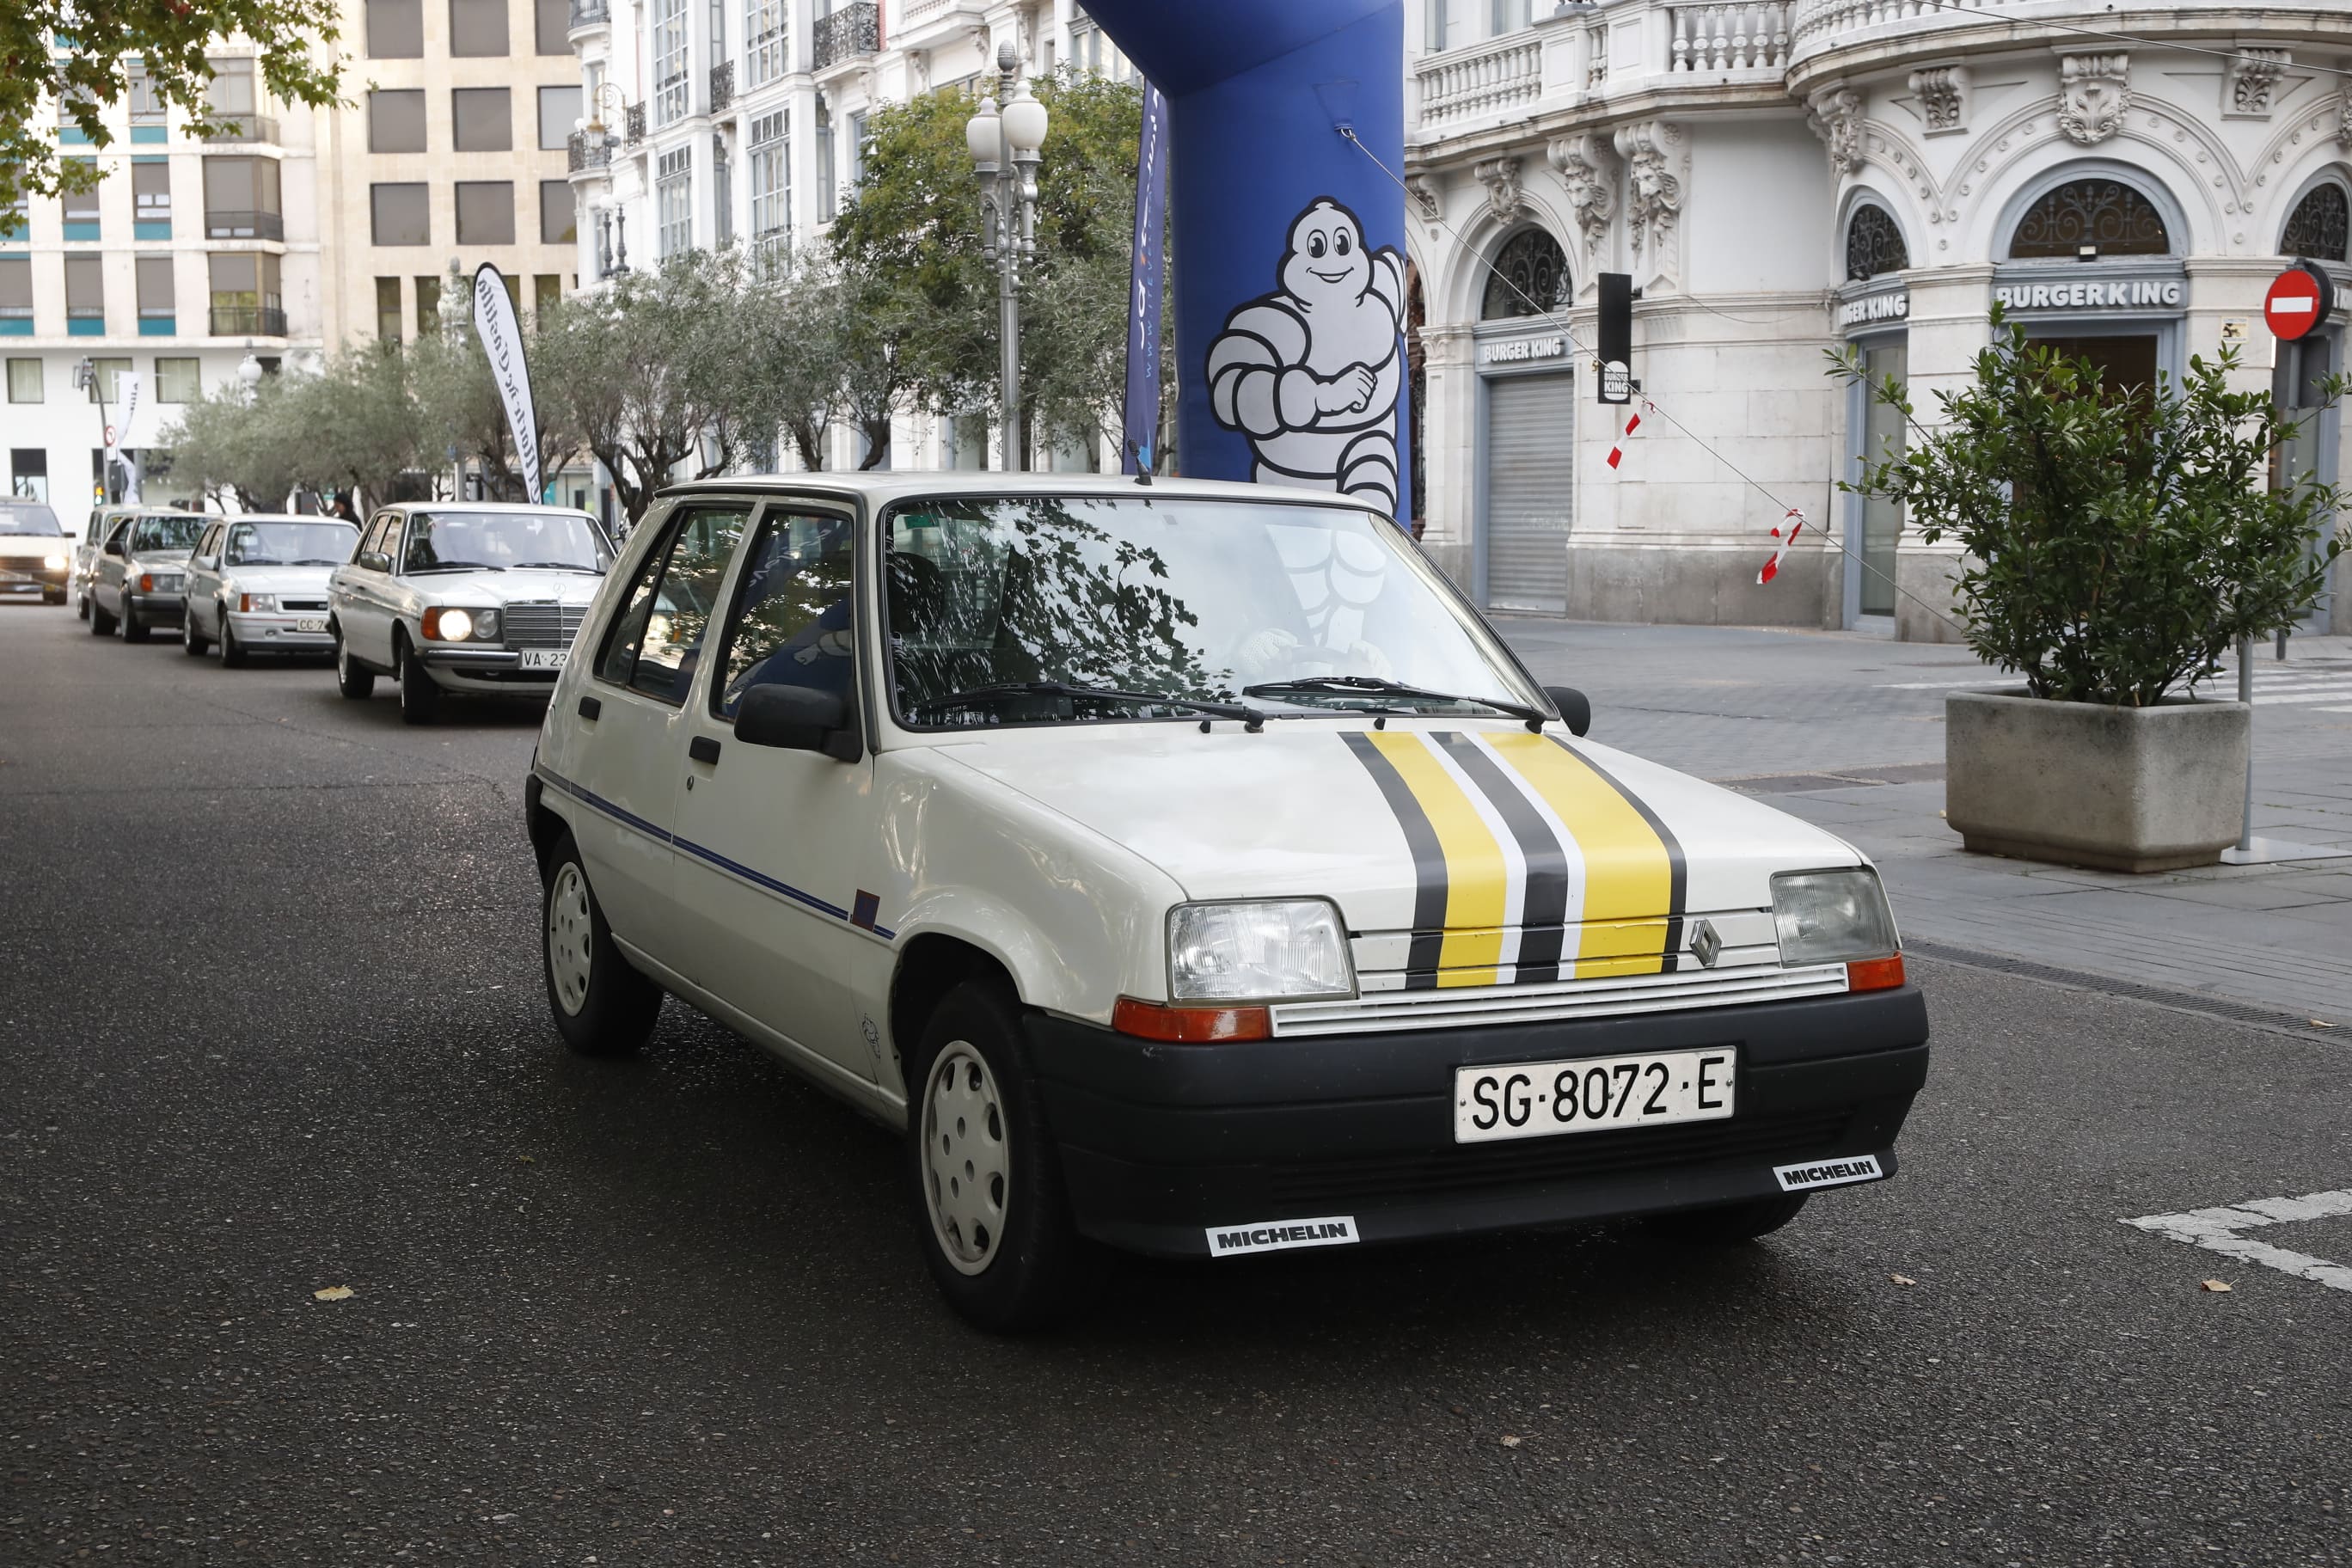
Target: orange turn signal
1189 1025
146 583
1874 973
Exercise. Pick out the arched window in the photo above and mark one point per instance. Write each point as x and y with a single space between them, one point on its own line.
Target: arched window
1530 276
2320 226
2090 217
1873 244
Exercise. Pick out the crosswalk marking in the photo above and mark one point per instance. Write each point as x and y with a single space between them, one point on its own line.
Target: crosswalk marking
2288 685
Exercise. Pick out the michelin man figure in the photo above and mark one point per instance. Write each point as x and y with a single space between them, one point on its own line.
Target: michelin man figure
1312 373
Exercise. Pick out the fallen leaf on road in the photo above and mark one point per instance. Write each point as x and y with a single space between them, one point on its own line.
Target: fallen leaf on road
526 1159
1510 1441
1903 1279
2218 1286
2321 1024
335 1293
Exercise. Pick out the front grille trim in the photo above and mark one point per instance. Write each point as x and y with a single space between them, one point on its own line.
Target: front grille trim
1613 996
543 624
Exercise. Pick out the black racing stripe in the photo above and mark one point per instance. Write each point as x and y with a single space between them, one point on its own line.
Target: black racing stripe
1428 864
1677 868
1543 916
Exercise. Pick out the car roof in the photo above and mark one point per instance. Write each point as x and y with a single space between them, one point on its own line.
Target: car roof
292 517
898 484
485 506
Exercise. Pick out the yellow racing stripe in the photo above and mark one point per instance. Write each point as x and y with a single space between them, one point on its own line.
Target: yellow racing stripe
1476 882
1631 883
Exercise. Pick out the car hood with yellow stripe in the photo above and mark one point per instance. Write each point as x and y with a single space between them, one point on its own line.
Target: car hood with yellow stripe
1487 854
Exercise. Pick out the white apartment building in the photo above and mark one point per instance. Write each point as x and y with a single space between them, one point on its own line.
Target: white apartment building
719 120
188 256
1782 177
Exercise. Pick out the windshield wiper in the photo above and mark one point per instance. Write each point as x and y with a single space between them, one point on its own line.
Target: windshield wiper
309 561
1532 717
552 566
259 560
454 566
1252 720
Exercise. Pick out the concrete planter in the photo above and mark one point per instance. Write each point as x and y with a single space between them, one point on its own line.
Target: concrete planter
2122 789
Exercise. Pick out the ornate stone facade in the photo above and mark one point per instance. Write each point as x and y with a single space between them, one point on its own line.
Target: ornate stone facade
1836 119
1590 169
2093 93
1656 161
1505 199
1943 98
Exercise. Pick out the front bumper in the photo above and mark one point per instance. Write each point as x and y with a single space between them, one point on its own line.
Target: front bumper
488 670
22 579
1161 1143
259 631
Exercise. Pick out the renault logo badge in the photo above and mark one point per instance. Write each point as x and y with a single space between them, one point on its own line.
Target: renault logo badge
1705 942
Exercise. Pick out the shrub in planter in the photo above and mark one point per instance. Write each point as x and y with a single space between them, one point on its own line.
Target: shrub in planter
2116 540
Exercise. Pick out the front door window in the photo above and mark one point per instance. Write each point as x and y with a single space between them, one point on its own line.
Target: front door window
1882 518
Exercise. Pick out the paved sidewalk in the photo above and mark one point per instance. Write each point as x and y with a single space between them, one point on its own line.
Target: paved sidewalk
1847 731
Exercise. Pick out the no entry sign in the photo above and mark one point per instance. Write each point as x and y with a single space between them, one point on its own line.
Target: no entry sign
2300 299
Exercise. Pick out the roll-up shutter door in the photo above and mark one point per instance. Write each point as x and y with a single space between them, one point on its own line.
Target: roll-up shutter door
1530 484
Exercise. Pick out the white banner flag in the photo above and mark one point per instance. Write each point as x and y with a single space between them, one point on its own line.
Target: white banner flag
124 436
501 335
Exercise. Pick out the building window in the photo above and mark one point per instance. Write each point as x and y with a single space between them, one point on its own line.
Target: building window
674 202
241 199
428 305
1508 17
481 119
478 29
396 120
552 27
150 198
2320 227
1874 245
772 181
158 307
395 29
147 112
559 219
2086 218
722 193
24 380
824 162
387 310
106 381
85 297
71 108
857 150
245 301
765 41
399 215
16 296
80 206
1530 278
16 219
28 468
546 292
670 91
486 212
229 100
559 108
176 380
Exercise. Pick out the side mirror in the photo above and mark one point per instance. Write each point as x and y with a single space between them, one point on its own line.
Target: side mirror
114 548
797 718
373 560
1575 708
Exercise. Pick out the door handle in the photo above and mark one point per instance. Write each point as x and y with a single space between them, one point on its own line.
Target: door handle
704 749
591 708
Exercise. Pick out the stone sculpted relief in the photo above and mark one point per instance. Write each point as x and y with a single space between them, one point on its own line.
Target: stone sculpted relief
1835 115
1654 157
1943 98
2253 80
1501 178
1589 168
2092 96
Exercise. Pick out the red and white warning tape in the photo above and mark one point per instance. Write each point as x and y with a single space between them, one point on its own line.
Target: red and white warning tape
1617 452
1772 567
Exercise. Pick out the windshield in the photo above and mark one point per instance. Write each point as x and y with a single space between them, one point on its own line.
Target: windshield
1180 596
171 530
289 543
504 540
38 520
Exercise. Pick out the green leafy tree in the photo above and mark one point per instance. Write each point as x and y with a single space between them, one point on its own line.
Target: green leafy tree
83 53
2118 538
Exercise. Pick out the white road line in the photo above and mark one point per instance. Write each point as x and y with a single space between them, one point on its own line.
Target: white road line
2220 1230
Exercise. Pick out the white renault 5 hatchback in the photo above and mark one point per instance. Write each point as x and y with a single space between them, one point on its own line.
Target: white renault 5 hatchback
1187 868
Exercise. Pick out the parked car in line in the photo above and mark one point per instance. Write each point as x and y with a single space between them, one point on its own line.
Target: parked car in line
35 553
1188 869
463 596
258 584
142 577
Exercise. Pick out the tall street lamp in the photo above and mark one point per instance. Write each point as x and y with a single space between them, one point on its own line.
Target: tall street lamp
1008 217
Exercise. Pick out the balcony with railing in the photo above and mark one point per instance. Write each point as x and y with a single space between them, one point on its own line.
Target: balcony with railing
588 151
220 224
590 14
722 86
249 322
850 34
632 123
241 127
1599 53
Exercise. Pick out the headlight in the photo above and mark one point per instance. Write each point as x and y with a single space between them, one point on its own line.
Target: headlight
1829 917
54 562
486 625
1257 952
461 626
247 604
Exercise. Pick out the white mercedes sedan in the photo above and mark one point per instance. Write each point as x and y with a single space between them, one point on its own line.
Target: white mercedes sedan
463 596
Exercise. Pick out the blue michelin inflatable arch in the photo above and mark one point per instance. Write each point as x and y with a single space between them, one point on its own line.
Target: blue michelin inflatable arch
1288 241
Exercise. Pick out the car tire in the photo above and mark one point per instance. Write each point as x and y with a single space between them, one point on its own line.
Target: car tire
602 1007
81 606
1728 1225
133 628
232 652
102 625
192 642
57 598
352 678
991 1212
420 694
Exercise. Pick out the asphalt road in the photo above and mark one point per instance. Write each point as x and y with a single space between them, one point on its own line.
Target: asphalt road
271 1022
